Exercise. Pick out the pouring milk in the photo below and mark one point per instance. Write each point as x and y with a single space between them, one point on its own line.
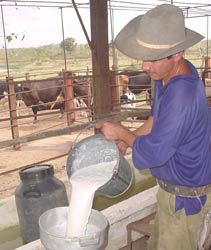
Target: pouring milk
84 183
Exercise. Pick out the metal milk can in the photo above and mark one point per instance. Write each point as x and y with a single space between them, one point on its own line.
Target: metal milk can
38 191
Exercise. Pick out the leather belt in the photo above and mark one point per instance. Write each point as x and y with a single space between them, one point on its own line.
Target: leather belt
184 190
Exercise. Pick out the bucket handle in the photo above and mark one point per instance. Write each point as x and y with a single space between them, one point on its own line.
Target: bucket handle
91 125
89 240
115 117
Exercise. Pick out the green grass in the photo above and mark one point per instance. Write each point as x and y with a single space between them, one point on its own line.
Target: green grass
50 58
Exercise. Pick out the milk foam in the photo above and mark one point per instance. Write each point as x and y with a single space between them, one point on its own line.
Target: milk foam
84 183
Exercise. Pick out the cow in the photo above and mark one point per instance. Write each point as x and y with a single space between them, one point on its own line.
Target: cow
3 89
136 81
50 94
4 94
79 103
128 100
43 95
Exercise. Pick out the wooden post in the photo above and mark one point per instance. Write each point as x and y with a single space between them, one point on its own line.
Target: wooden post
207 66
100 57
12 107
114 91
69 97
27 76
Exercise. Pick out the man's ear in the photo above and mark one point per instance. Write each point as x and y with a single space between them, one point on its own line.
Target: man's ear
178 56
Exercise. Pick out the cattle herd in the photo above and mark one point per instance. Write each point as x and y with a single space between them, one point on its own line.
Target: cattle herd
50 93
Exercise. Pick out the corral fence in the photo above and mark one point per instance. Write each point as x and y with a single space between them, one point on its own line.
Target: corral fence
20 120
74 118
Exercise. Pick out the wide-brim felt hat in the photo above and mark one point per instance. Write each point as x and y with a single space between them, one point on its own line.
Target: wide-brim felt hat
159 33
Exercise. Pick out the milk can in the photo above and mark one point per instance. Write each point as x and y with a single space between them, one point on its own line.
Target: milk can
38 192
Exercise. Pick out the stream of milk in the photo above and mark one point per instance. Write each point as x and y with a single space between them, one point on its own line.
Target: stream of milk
84 183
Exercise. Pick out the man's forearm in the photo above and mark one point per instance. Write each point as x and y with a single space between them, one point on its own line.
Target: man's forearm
145 128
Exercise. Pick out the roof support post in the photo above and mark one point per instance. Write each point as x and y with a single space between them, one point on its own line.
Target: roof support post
100 57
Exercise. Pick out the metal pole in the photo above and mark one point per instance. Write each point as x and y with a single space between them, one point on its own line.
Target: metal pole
207 36
115 61
82 25
111 12
5 42
65 60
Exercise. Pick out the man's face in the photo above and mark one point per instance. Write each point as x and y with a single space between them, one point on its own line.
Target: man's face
160 69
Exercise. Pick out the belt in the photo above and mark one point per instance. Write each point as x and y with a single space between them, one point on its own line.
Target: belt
184 190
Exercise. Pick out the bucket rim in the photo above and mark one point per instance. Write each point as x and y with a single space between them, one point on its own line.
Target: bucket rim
98 137
74 239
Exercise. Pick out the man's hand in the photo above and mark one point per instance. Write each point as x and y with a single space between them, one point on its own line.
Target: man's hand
122 146
117 132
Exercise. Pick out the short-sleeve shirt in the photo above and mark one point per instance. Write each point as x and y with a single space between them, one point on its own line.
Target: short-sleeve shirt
178 148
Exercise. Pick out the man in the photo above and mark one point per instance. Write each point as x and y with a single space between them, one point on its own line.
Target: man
174 143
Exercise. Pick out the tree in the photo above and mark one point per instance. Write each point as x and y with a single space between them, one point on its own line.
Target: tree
13 36
69 44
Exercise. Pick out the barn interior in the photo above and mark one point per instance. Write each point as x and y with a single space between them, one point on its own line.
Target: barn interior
102 102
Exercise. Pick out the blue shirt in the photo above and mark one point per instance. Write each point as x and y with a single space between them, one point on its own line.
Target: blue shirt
178 148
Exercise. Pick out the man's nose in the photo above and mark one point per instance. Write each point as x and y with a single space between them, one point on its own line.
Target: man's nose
146 65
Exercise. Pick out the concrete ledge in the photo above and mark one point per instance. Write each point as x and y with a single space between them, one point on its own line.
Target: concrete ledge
8 212
123 213
119 216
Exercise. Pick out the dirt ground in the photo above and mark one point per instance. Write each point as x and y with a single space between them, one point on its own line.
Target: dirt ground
35 152
40 151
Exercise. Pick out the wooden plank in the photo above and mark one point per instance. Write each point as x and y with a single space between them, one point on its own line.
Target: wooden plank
100 57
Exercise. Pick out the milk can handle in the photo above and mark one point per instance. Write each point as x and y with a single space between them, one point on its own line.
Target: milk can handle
33 192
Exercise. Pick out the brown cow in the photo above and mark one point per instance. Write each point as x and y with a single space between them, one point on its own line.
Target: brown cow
40 95
50 94
136 81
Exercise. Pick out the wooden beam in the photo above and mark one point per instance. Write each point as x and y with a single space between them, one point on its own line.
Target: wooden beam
100 57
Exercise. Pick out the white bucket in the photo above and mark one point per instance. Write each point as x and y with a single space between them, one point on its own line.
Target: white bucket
53 225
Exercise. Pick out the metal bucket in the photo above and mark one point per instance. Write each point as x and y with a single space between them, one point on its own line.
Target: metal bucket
53 225
96 149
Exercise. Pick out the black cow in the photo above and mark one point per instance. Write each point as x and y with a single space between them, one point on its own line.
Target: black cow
4 93
3 89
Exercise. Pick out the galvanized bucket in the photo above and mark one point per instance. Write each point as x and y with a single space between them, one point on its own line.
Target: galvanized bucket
96 149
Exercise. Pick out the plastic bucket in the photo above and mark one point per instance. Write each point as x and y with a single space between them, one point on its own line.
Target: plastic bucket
53 225
96 149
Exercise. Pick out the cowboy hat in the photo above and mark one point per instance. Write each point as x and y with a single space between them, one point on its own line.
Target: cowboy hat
158 34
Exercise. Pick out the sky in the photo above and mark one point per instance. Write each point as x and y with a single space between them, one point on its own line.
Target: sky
43 25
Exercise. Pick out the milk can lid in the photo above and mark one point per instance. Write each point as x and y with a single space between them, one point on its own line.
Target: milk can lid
36 172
